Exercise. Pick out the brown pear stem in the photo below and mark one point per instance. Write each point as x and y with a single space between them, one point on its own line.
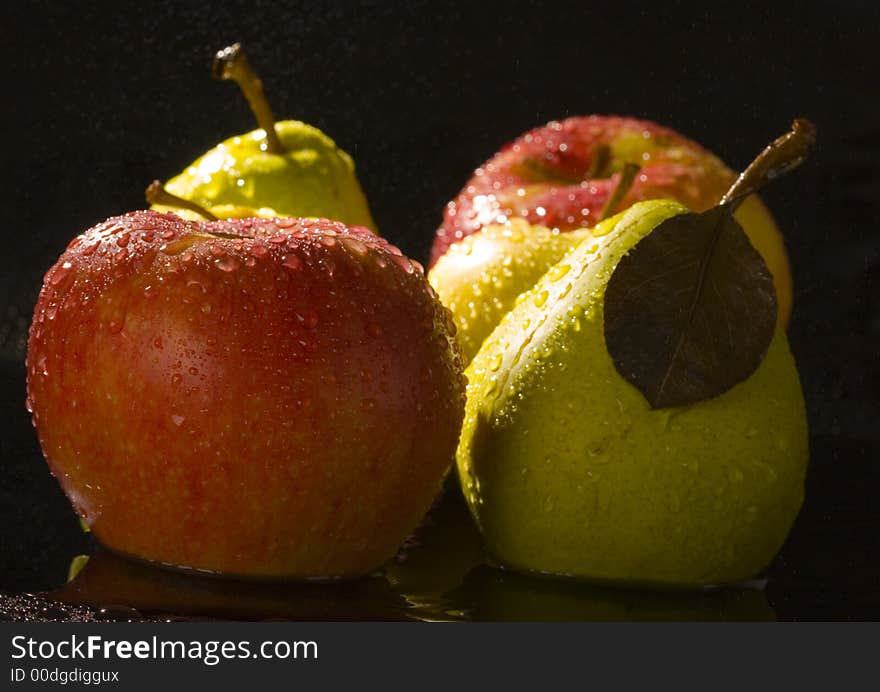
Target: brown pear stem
780 156
157 194
232 63
627 176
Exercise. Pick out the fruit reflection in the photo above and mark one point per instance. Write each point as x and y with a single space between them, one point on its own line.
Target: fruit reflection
436 560
439 575
496 595
129 588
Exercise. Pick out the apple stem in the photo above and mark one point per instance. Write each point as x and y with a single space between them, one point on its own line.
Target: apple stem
157 194
627 176
232 63
780 156
599 165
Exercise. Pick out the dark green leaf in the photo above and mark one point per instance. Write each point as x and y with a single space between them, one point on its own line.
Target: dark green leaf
690 311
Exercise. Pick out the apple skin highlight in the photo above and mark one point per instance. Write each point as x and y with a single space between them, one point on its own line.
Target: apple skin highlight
262 398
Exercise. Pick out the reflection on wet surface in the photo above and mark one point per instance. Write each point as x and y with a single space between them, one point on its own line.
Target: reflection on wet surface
440 574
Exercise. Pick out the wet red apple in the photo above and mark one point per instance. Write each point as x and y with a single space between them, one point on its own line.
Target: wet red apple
270 398
562 174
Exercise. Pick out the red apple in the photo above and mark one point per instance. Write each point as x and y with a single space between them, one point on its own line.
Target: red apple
562 174
273 398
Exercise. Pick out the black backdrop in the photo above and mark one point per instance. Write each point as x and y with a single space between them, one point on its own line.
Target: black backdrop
99 102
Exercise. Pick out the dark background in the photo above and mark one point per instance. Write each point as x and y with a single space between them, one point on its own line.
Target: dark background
99 102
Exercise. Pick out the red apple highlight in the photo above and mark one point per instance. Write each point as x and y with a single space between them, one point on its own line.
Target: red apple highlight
272 398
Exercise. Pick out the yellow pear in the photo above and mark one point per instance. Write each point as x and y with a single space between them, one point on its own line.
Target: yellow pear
284 168
568 470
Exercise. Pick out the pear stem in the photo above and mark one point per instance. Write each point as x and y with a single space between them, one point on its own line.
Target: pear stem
232 63
627 176
780 156
157 194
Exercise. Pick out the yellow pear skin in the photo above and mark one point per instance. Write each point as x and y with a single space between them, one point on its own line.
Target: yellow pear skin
480 277
568 470
765 236
312 177
221 211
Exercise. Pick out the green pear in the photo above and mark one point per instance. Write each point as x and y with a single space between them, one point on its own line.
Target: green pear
311 176
285 168
568 470
480 277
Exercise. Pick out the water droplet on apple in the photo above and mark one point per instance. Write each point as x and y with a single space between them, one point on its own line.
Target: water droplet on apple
60 274
227 264
292 262
193 283
403 263
355 246
309 320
